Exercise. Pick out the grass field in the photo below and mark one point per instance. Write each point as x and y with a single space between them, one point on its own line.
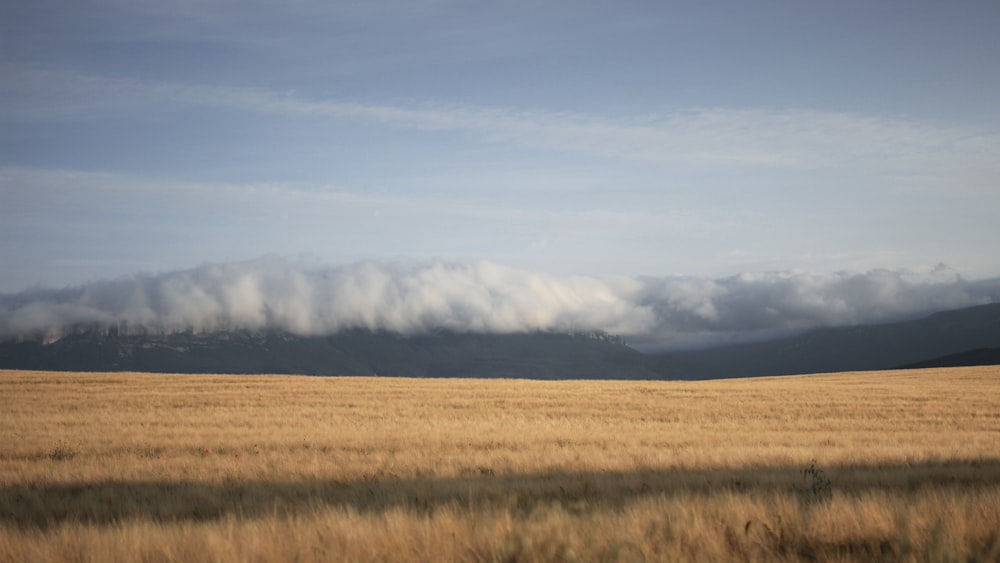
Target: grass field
856 466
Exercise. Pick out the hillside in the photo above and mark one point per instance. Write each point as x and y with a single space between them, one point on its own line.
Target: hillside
977 357
856 348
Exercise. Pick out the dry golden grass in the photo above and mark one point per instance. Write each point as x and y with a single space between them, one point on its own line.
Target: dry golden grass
141 467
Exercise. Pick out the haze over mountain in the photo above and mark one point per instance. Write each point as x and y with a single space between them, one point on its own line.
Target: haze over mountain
536 355
408 317
416 297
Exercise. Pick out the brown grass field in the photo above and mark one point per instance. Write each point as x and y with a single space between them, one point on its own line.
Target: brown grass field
878 466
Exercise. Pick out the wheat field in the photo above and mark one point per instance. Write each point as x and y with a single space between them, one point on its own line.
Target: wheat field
899 466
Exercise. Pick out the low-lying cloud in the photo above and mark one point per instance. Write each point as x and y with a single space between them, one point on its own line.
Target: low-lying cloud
412 297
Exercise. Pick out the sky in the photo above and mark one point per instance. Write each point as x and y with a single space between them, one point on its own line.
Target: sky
627 142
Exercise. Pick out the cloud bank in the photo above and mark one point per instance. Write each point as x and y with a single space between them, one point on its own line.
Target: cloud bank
412 297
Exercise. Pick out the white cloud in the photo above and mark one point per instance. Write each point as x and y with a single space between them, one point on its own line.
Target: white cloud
410 296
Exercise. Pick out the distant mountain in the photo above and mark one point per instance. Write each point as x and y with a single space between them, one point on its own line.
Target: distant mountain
531 355
856 348
538 355
977 357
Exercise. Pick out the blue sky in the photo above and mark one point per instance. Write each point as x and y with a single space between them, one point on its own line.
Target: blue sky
566 138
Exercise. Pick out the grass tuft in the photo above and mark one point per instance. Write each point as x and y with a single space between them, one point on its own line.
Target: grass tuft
820 489
64 450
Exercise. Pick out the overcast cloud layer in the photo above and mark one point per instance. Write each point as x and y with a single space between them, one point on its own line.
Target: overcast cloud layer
412 297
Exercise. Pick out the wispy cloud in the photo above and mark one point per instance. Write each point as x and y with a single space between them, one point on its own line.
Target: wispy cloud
756 138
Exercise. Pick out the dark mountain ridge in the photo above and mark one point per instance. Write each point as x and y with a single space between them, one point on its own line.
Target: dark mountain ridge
539 355
536 355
